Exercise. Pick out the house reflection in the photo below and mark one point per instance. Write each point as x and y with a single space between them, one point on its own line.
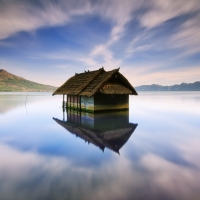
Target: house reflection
104 130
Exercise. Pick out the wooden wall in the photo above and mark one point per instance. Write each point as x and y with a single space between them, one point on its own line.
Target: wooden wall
73 102
98 102
111 102
87 103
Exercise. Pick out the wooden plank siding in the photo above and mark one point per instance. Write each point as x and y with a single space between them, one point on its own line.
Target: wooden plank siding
73 102
83 103
111 102
87 103
98 102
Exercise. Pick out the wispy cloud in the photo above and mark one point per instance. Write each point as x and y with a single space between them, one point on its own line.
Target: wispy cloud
18 16
23 15
138 43
184 36
106 57
167 76
139 29
120 14
188 38
160 11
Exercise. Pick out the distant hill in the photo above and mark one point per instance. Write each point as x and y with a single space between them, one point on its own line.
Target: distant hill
12 83
182 87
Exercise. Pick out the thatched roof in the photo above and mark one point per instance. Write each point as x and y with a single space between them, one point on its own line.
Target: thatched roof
91 82
112 139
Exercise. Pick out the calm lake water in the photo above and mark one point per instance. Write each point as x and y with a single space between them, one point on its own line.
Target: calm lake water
45 155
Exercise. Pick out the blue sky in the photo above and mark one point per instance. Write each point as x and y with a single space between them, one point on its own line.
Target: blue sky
152 41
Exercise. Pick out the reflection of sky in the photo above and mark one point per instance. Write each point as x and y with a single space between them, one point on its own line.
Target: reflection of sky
8 101
40 159
37 131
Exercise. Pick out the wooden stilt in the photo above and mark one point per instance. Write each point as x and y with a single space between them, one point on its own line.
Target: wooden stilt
63 104
70 97
63 113
80 109
73 100
76 102
66 100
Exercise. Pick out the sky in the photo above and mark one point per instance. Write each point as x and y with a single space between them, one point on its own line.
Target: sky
152 41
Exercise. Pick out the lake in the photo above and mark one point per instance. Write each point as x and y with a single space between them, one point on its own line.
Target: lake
151 152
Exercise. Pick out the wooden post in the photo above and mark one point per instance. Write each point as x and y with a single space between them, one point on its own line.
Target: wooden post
73 101
63 113
80 108
63 104
70 107
77 102
70 102
66 100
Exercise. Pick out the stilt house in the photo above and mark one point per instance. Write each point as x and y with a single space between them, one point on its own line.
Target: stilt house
98 90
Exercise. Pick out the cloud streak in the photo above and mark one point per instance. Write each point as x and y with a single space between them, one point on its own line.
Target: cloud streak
18 16
187 37
160 11
137 36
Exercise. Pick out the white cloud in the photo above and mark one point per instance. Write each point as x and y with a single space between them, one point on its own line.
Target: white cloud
108 61
22 15
120 14
138 44
25 16
102 50
157 73
18 16
158 12
161 11
188 38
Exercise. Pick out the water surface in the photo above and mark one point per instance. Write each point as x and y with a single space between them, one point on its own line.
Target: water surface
158 153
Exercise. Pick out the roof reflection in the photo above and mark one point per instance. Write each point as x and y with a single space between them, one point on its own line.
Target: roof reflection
104 130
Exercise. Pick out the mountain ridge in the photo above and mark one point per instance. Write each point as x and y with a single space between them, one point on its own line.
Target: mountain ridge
177 87
12 83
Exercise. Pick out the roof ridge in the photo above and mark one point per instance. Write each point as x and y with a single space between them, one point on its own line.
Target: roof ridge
104 81
89 83
100 71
